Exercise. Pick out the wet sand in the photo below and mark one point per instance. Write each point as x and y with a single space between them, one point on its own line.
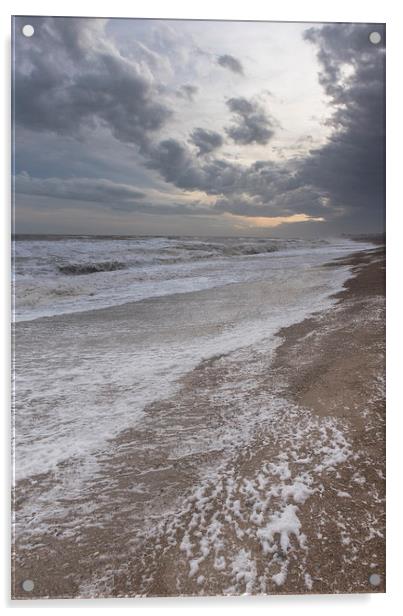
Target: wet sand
182 522
342 376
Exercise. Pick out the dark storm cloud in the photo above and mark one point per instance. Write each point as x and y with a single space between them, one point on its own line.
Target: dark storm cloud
230 62
174 161
68 77
81 189
267 189
262 189
178 164
350 168
188 92
206 140
251 125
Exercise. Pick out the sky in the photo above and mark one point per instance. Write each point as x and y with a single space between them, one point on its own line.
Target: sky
158 127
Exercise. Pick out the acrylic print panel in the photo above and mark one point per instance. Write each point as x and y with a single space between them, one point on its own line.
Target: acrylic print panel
198 270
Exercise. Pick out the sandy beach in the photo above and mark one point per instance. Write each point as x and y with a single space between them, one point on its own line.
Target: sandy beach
286 502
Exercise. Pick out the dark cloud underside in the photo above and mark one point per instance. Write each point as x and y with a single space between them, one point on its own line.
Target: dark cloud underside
206 140
72 78
252 124
350 168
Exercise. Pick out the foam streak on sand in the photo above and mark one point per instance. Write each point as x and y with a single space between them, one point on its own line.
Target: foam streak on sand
254 506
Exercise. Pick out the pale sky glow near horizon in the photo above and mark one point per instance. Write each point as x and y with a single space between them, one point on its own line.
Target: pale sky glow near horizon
163 127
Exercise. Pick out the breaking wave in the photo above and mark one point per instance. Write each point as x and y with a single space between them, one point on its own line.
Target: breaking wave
76 269
54 276
249 250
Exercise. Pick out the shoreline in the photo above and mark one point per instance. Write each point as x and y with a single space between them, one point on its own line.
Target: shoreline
343 376
334 535
165 556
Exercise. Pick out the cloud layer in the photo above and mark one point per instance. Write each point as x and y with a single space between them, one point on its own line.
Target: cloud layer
81 189
75 81
69 77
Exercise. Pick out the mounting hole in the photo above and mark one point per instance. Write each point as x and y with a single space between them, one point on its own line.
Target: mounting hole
374 579
28 585
375 38
28 30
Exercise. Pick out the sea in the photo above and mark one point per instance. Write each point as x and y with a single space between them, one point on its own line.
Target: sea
55 275
106 328
148 310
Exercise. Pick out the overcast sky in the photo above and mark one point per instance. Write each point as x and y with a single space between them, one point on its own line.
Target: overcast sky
198 128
